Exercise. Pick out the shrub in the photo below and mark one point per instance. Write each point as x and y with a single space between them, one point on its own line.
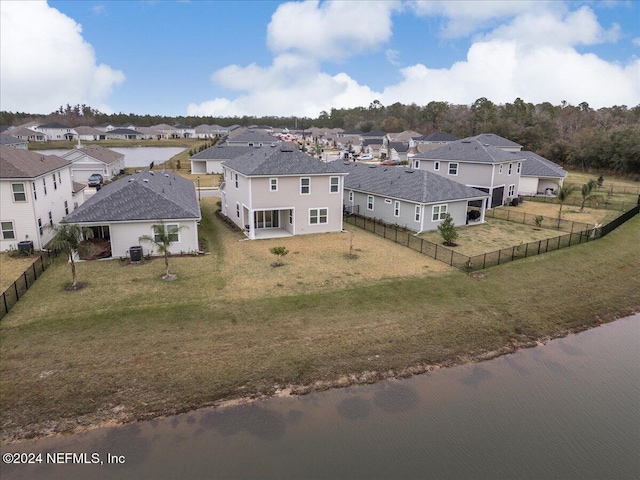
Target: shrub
447 229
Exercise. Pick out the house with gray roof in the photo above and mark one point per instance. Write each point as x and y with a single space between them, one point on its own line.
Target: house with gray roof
184 131
15 142
414 199
35 190
475 164
57 131
277 191
252 139
124 134
126 209
539 176
89 159
28 134
210 161
90 133
497 141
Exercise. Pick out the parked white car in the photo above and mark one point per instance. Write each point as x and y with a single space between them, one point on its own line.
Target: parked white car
367 156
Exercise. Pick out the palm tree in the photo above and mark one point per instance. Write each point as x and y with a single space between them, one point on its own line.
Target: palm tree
68 239
564 192
163 237
586 190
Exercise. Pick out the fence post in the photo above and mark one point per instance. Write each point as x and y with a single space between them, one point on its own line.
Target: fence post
384 231
408 238
499 254
513 253
396 240
484 260
15 287
436 256
4 298
451 261
546 248
26 282
508 215
558 243
539 244
526 250
421 244
35 275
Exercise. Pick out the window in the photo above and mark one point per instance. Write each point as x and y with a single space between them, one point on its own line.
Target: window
66 207
305 186
59 178
416 164
500 169
334 184
511 191
396 208
237 210
351 195
436 166
19 194
55 184
369 202
439 213
7 231
518 168
417 214
50 219
236 177
510 167
273 184
40 225
318 216
44 184
291 216
387 201
453 169
172 233
35 194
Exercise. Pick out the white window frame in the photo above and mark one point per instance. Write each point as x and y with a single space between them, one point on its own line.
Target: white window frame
291 216
439 212
44 184
387 201
35 193
6 230
66 207
236 179
237 209
316 213
416 213
518 167
40 228
457 167
15 193
416 164
168 230
306 187
351 195
50 218
511 191
370 202
396 208
436 166
59 178
510 168
333 185
273 184
55 183
500 169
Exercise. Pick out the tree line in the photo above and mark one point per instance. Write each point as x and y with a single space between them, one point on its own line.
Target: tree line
606 139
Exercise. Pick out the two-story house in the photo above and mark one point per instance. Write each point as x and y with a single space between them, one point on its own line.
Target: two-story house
35 190
57 131
277 191
476 164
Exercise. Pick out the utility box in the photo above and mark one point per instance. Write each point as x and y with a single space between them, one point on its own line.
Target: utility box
135 253
26 247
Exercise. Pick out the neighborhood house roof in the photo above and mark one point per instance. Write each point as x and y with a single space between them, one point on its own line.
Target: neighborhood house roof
77 187
536 166
143 196
99 153
469 151
438 137
372 141
182 126
16 163
279 160
373 133
53 125
222 152
249 136
10 140
399 147
417 186
495 140
88 131
123 131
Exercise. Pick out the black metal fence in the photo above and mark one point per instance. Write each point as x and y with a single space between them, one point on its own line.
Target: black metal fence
604 202
540 221
12 294
577 233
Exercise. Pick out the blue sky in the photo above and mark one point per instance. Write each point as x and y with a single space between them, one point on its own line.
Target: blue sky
299 58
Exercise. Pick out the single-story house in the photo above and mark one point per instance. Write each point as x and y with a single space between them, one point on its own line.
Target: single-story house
89 159
540 176
124 134
90 133
15 142
126 209
414 199
28 134
211 159
277 191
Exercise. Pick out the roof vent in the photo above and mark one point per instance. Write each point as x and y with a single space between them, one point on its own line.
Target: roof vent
166 175
145 180
408 171
151 172
465 141
130 180
42 158
372 166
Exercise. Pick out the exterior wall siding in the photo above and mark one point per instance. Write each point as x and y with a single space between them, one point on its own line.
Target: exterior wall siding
126 235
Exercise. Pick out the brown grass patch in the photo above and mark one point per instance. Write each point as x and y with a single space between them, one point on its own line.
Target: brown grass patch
13 267
590 216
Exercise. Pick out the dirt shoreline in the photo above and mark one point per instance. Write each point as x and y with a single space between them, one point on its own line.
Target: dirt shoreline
115 417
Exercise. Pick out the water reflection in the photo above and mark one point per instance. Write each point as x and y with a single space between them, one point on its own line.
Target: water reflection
354 408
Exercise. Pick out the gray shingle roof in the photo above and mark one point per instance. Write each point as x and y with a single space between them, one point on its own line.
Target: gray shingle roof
371 141
142 196
279 160
536 166
99 153
439 137
17 163
417 186
469 151
494 140
53 125
254 137
399 147
222 152
374 133
88 131
123 131
10 140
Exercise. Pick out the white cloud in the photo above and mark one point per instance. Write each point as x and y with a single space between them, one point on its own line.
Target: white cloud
393 57
99 9
333 30
46 62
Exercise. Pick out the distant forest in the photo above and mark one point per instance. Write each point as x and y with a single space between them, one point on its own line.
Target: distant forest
606 140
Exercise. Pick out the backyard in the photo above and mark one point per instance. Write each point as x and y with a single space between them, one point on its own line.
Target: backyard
131 346
12 266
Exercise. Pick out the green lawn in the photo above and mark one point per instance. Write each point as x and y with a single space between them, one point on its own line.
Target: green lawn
131 346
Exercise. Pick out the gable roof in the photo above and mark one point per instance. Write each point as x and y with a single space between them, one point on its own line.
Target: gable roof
372 141
6 139
494 140
17 163
250 136
123 131
373 133
438 137
53 125
96 151
469 151
104 125
182 126
417 186
143 196
162 126
280 160
88 131
222 152
536 166
403 136
399 147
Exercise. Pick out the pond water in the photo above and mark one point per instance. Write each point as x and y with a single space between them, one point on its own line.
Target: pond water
566 410
135 157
